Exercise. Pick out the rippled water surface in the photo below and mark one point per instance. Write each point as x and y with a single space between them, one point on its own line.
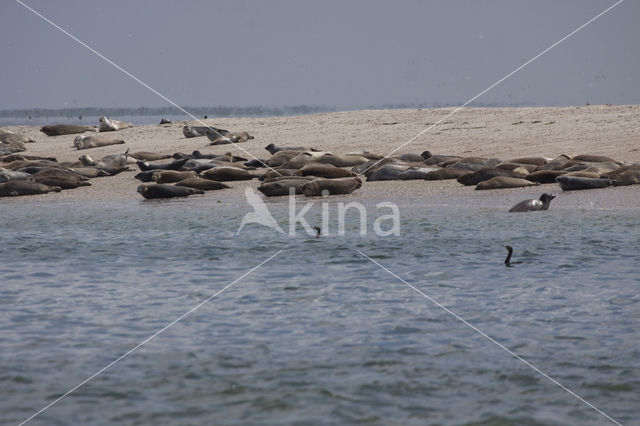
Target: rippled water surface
319 334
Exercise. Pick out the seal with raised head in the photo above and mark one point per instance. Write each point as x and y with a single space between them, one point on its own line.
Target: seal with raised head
534 205
235 137
332 186
110 125
86 142
65 129
161 190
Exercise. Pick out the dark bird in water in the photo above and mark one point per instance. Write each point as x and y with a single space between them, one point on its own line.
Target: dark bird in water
318 231
508 261
533 205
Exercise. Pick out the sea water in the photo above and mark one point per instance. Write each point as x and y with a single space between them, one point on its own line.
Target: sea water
352 329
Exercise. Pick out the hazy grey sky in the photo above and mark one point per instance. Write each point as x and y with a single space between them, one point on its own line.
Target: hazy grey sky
334 53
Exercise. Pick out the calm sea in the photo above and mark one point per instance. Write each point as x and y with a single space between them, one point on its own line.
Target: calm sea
319 334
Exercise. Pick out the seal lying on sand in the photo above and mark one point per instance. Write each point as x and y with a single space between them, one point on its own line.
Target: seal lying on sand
500 182
281 187
228 138
171 176
332 186
202 184
174 165
571 183
273 149
148 156
86 142
324 170
166 191
109 125
25 187
65 129
196 131
533 205
224 173
115 161
10 138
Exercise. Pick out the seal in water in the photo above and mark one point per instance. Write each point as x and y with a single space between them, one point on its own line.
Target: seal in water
162 190
533 205
507 261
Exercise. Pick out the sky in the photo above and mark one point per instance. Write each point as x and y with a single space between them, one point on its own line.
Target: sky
343 54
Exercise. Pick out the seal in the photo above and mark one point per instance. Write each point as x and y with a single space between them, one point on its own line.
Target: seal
148 156
166 191
281 187
109 125
484 174
273 148
202 184
171 176
15 188
534 205
7 175
10 138
226 173
116 161
196 131
444 174
572 183
500 182
235 137
174 165
332 186
507 261
62 178
65 129
86 142
545 176
324 170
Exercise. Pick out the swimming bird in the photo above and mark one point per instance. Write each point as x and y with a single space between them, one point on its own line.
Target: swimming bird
318 231
533 205
508 261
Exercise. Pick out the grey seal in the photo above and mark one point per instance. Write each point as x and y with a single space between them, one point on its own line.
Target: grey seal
533 205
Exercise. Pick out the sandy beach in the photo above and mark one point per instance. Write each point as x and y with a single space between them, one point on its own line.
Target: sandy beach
504 133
